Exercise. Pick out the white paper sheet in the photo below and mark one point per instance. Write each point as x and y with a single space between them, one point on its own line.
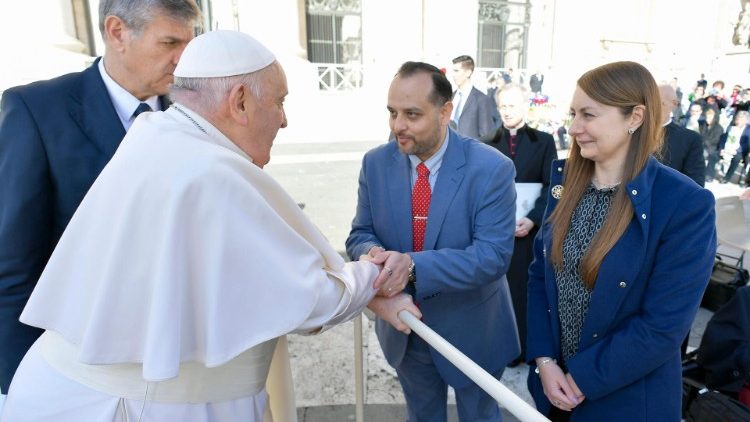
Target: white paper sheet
526 195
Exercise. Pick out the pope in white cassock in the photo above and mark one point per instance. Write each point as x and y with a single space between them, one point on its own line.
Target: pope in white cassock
186 264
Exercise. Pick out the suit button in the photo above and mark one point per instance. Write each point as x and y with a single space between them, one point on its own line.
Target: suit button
596 335
549 311
559 169
634 192
643 216
623 284
736 373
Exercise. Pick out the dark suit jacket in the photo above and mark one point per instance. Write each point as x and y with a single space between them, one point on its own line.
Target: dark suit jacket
683 151
496 121
467 248
476 117
55 138
535 151
536 83
725 347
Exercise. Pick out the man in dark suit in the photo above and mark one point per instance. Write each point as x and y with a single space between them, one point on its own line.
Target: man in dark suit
532 152
683 148
436 209
57 135
472 110
536 81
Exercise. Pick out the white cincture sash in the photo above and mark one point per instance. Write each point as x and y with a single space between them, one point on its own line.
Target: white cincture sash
242 376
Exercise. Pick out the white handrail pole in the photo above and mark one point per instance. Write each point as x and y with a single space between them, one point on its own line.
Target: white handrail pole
359 384
487 382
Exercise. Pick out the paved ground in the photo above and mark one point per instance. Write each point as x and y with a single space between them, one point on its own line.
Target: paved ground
324 178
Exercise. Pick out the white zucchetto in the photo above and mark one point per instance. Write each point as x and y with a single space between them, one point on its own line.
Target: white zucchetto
218 54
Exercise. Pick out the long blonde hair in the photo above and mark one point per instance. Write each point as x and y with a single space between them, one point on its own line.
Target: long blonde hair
624 85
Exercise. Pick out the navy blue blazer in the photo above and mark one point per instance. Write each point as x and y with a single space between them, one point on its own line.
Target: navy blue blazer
461 286
646 295
55 138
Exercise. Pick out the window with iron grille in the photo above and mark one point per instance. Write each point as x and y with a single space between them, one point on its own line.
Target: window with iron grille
502 33
334 31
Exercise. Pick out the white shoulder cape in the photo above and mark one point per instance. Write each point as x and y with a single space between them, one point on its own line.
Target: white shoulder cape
181 251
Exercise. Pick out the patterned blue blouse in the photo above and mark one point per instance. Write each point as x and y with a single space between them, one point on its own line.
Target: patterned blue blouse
572 295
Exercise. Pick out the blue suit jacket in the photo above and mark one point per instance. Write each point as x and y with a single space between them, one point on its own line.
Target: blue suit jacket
646 295
55 138
461 286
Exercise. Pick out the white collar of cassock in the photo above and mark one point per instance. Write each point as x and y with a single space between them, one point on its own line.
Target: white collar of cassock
182 112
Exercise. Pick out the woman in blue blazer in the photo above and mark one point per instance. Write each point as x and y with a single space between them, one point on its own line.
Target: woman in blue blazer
620 263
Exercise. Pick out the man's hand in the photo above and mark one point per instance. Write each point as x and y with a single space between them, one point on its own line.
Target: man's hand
388 309
395 274
523 227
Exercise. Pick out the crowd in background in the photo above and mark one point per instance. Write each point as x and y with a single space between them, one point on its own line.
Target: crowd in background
718 115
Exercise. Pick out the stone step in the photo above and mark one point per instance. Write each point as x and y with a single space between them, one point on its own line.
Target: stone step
373 413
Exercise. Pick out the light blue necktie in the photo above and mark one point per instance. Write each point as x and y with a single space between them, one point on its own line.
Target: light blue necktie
457 108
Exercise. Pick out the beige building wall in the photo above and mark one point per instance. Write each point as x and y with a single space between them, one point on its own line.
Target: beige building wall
679 38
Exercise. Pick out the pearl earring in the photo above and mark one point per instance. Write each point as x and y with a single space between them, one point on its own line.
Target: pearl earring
631 130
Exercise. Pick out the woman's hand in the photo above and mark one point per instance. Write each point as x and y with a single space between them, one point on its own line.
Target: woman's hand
577 391
557 388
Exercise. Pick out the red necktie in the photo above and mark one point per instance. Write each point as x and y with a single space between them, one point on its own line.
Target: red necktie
420 205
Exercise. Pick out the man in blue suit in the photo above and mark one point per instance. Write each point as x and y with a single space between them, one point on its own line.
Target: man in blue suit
57 135
438 210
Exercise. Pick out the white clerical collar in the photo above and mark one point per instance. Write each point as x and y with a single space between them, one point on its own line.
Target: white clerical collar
125 103
182 112
515 130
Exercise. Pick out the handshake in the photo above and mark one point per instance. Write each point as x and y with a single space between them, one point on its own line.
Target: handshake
390 283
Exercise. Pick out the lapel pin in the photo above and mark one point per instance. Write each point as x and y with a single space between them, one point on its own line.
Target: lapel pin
557 191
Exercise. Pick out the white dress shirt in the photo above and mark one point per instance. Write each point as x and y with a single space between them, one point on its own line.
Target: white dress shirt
125 103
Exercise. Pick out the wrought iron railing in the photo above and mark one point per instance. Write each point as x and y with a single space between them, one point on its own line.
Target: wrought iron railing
339 77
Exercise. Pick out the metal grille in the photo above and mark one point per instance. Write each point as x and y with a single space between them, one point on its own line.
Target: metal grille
334 42
503 33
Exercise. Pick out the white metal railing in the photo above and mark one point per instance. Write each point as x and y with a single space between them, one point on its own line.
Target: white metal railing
505 397
339 77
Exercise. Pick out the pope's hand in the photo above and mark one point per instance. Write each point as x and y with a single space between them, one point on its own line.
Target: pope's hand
388 309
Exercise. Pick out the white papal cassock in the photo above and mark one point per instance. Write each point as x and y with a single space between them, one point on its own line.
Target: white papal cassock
166 295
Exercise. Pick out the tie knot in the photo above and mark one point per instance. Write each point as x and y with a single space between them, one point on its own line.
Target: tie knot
142 108
422 170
